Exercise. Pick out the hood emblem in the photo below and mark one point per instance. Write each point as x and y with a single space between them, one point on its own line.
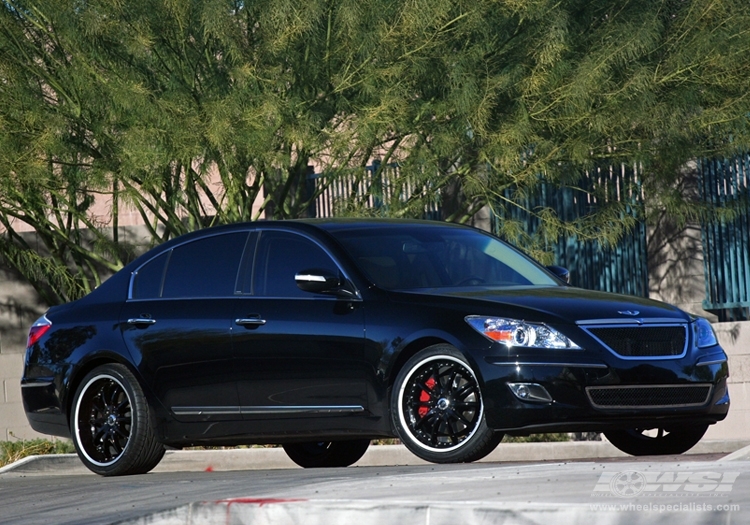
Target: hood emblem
628 312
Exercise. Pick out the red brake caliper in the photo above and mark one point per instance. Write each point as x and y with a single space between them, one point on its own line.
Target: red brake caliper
424 397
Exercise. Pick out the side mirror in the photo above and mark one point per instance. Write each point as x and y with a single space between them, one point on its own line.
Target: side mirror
318 281
560 272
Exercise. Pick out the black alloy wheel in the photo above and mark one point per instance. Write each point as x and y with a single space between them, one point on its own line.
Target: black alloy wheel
658 442
111 424
437 408
317 454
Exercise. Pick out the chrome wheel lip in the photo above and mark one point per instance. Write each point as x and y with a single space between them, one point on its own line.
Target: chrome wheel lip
77 413
401 412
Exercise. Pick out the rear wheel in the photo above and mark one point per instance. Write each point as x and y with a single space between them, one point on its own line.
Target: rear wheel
659 441
438 410
316 454
111 424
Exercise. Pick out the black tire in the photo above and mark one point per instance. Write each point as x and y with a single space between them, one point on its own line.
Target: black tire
437 408
111 424
319 454
666 441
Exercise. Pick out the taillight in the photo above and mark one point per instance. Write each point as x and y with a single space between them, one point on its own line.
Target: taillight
38 329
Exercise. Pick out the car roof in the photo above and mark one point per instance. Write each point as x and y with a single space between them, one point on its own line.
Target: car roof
338 224
330 225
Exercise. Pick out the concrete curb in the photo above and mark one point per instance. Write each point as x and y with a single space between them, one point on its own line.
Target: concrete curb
742 454
380 455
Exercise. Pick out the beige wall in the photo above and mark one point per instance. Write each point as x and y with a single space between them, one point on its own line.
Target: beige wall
13 424
18 310
735 338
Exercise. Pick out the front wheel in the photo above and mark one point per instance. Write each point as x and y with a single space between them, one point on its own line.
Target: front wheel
317 454
658 442
438 410
111 425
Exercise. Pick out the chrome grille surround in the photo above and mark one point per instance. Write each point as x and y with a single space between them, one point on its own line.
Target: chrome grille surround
641 339
649 396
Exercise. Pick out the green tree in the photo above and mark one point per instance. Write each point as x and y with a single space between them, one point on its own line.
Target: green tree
188 112
191 111
501 97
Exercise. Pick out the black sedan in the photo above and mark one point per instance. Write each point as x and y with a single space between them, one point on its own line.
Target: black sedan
321 335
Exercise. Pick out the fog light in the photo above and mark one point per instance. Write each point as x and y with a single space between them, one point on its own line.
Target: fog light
530 392
522 391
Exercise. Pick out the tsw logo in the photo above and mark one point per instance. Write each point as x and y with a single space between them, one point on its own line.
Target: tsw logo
631 483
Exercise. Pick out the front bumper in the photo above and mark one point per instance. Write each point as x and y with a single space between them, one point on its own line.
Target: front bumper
567 377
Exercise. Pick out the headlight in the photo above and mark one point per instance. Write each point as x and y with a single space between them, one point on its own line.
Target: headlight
512 332
704 333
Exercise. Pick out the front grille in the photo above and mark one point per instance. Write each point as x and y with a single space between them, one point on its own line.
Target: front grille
665 396
643 341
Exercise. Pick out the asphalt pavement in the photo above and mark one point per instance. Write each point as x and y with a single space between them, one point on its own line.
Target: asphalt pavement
520 483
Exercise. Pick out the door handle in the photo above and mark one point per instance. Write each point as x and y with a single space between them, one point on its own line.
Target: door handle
141 321
250 321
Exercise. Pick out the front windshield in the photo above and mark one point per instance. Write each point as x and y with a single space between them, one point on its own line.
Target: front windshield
433 256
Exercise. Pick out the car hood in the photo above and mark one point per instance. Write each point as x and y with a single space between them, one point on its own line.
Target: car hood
550 304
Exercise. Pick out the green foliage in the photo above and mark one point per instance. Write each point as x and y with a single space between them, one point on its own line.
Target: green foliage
12 451
201 112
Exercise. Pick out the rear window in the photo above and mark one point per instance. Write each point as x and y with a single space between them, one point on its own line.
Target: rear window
205 267
147 282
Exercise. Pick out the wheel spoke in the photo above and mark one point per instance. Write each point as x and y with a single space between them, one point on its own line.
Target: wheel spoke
434 431
99 433
109 393
96 420
465 390
124 435
452 432
429 416
451 380
98 404
123 406
115 445
455 415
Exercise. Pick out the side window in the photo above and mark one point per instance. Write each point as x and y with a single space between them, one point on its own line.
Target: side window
206 267
147 282
281 255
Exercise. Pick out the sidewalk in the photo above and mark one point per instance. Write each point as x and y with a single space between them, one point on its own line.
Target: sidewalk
378 455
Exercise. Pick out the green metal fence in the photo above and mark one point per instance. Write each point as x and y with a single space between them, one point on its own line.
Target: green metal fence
622 268
374 187
725 183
